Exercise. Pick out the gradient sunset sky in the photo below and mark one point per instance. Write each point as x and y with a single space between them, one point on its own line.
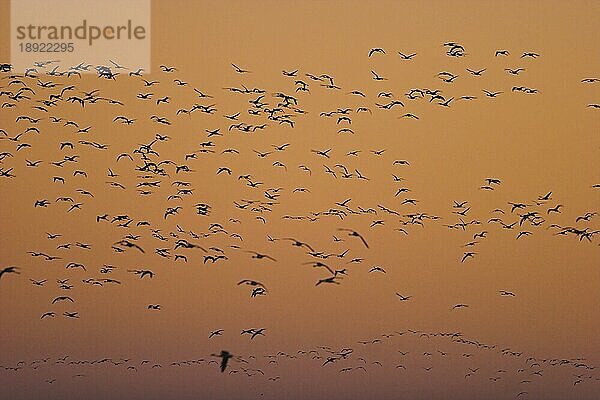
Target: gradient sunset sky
533 318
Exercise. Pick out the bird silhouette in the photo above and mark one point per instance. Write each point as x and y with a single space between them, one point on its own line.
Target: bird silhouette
225 356
9 270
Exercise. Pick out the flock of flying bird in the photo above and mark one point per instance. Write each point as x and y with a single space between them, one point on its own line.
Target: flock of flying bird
39 97
411 350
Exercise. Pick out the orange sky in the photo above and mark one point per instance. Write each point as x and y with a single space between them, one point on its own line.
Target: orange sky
534 143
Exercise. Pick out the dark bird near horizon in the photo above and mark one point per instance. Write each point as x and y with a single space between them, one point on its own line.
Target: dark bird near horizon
225 356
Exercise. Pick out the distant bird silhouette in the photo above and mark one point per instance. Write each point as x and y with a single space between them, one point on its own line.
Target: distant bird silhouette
218 332
355 234
239 70
376 50
9 270
407 56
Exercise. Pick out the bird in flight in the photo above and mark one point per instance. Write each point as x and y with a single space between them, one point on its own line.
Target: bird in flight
377 77
218 332
239 70
476 72
514 71
491 94
406 56
9 270
354 234
251 282
403 298
260 256
376 50
225 356
467 255
63 298
330 279
142 272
